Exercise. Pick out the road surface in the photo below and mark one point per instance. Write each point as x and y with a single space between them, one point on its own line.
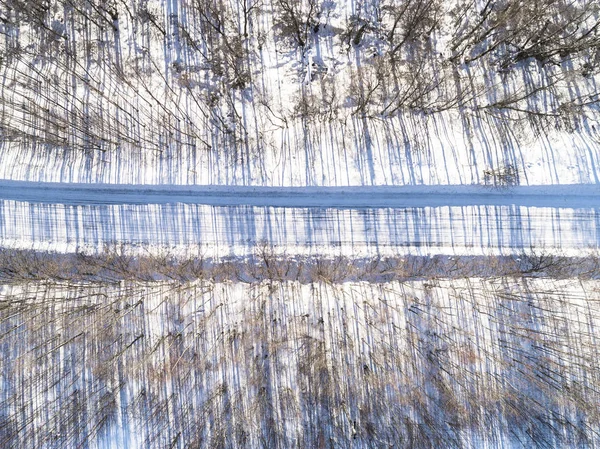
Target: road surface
573 196
220 221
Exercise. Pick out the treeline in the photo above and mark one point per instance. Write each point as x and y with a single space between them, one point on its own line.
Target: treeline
202 74
421 364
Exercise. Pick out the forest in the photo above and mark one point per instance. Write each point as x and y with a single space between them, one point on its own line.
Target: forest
280 92
137 313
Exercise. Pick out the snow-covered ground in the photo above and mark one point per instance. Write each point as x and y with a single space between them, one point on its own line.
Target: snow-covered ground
198 92
477 363
215 95
362 129
221 221
229 231
556 158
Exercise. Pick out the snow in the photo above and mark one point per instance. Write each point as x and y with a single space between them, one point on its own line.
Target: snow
333 159
147 108
147 127
496 362
571 196
116 145
149 121
226 231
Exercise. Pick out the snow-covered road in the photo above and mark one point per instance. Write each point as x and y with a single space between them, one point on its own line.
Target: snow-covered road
233 221
359 197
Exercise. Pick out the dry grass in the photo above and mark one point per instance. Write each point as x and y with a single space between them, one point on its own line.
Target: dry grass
114 264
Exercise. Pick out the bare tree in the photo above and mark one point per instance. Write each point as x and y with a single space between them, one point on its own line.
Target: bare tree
296 20
513 30
409 22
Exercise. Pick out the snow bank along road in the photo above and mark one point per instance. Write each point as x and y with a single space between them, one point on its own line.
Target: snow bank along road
357 221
